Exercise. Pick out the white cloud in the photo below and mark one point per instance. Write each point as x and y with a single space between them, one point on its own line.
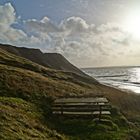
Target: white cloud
82 43
7 14
11 35
44 26
75 24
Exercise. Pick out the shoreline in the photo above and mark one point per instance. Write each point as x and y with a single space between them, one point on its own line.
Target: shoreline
128 80
120 89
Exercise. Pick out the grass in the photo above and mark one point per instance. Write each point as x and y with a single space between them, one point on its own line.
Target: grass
28 89
127 103
79 129
23 120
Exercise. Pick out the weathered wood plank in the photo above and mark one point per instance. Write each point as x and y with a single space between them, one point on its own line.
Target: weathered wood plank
83 113
102 112
80 105
80 109
81 100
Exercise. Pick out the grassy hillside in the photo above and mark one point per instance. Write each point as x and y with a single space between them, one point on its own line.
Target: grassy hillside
51 60
28 89
23 120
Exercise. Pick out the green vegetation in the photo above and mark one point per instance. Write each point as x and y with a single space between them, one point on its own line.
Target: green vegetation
23 120
28 89
109 128
51 60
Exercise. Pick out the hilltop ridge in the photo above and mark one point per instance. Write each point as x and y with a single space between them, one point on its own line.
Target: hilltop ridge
50 60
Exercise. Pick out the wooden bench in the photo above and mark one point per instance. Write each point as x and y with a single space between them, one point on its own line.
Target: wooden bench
81 107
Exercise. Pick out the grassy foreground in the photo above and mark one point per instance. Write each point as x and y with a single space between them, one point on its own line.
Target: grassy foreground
28 89
23 120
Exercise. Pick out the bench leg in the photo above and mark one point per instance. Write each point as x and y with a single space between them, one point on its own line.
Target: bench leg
100 111
61 110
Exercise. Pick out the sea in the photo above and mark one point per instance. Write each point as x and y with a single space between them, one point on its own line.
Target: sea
124 78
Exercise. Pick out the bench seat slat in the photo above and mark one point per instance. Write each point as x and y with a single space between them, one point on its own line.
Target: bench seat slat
80 105
83 113
80 109
81 100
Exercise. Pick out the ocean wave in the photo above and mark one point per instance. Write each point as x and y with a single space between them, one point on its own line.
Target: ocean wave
112 75
123 78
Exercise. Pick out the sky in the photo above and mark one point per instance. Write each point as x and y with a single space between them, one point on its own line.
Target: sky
89 33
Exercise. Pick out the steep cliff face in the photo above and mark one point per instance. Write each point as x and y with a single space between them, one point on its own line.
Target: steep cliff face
51 60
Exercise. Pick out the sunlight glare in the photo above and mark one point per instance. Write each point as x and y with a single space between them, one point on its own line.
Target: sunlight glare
132 24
